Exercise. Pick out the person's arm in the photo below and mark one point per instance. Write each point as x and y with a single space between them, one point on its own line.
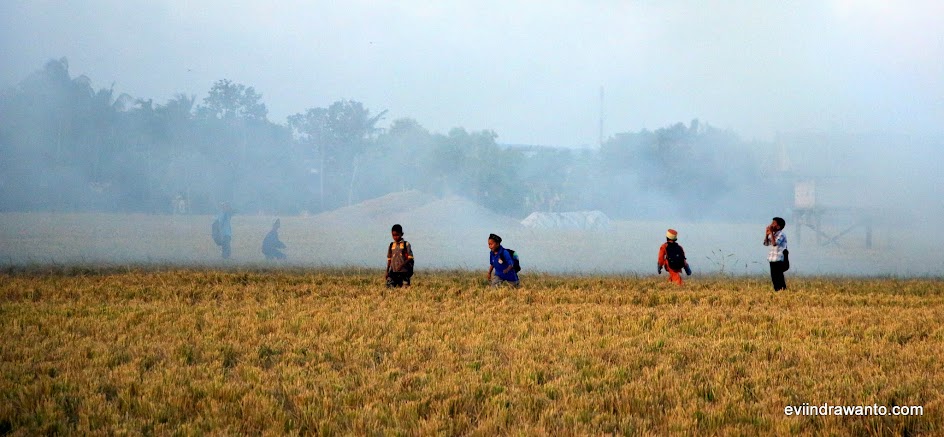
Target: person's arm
510 261
490 268
781 241
661 262
409 254
389 253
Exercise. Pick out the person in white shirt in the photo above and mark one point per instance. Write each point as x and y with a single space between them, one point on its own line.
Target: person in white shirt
777 240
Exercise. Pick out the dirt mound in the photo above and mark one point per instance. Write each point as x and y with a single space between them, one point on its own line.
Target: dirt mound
453 213
381 209
416 211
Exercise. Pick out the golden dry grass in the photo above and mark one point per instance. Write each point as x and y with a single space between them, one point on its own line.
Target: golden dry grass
332 352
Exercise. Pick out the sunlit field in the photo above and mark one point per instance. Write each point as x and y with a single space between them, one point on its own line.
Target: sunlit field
162 350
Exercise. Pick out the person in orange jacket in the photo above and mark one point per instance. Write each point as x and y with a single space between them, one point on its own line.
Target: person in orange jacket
672 257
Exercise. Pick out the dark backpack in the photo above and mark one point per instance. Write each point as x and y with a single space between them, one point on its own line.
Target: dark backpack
675 256
216 233
514 257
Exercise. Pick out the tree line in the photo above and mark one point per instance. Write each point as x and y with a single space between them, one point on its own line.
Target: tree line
66 146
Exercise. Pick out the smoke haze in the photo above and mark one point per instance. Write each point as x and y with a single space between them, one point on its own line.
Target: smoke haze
527 70
125 125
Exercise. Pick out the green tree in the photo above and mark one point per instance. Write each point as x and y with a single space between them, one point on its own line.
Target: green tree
232 101
231 117
339 135
406 146
694 165
473 165
64 136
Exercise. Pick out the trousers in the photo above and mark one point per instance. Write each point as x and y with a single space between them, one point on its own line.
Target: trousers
776 275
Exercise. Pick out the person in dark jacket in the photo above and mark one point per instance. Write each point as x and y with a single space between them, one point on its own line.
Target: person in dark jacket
271 245
399 259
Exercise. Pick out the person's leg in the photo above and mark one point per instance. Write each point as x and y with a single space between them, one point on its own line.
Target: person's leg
226 247
495 282
278 255
782 281
674 276
776 276
397 278
773 275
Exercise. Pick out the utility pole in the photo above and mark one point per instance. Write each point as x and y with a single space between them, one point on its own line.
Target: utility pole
601 117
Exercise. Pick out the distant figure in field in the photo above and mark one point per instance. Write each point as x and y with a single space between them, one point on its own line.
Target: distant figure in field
179 203
672 258
502 262
271 244
778 256
222 230
399 259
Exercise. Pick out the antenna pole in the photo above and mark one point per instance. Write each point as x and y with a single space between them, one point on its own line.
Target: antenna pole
601 117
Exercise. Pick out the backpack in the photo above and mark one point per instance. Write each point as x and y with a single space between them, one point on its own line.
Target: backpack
216 232
675 256
409 264
514 257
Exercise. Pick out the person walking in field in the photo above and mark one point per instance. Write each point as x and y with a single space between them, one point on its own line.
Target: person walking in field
399 260
778 255
672 258
502 262
271 245
222 229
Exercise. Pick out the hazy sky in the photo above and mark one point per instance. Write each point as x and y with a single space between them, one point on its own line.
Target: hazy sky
530 70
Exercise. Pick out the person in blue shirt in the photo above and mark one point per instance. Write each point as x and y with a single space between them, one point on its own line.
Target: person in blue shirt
502 263
225 229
